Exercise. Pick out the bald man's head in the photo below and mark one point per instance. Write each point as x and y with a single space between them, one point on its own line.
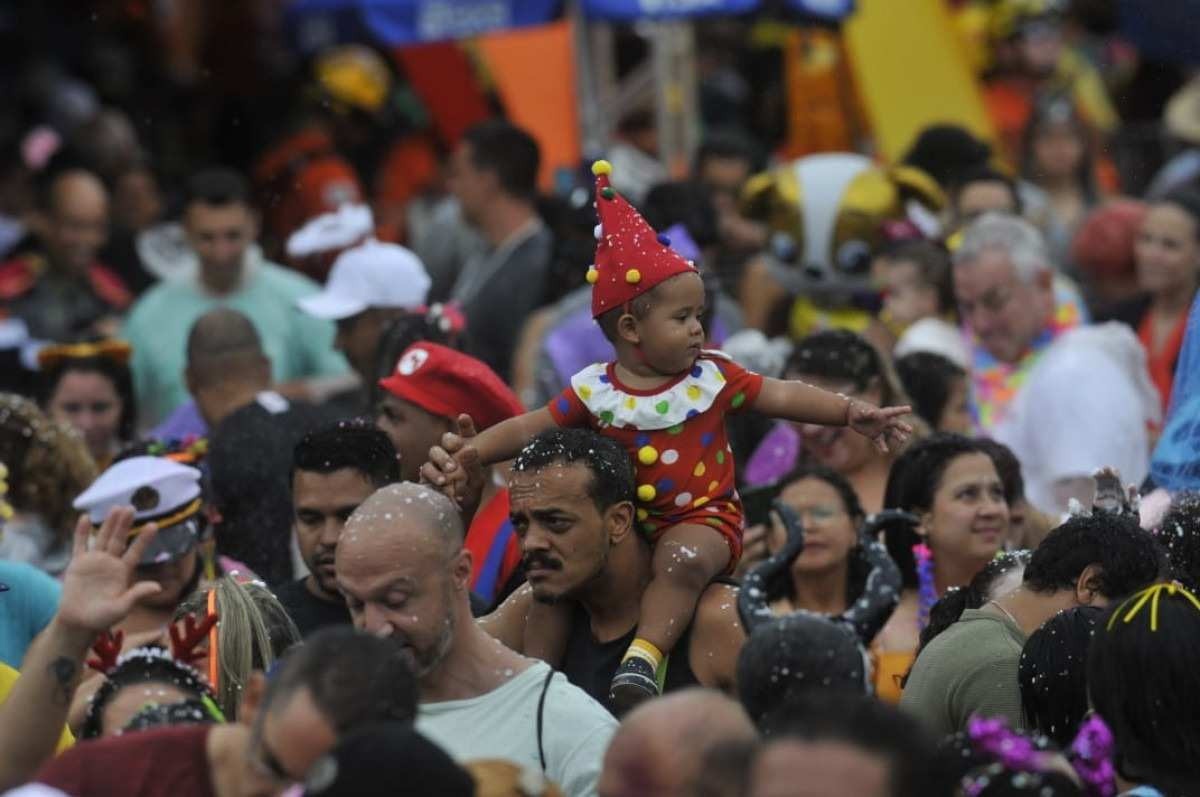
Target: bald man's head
223 345
402 569
73 223
221 332
660 746
410 511
226 365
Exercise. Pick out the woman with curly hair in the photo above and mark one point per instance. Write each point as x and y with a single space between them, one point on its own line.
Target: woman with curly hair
48 465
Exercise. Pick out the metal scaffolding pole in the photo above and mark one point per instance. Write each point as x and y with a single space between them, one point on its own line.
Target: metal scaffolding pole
595 74
668 75
673 54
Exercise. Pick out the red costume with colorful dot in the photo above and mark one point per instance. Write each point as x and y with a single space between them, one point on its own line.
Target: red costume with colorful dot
676 436
675 433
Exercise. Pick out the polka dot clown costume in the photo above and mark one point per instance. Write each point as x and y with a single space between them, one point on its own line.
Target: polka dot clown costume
677 438
675 433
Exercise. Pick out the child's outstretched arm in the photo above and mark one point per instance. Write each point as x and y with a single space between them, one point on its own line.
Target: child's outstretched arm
797 401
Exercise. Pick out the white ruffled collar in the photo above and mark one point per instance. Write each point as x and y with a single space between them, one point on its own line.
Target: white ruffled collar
624 408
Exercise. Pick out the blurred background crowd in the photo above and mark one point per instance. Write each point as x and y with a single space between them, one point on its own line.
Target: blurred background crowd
227 224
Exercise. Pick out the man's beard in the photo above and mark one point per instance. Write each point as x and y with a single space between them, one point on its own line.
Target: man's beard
427 660
321 557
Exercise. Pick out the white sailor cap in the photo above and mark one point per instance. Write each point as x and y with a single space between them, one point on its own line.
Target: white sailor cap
160 491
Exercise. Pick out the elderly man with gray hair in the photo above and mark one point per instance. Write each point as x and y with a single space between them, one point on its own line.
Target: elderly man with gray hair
1068 399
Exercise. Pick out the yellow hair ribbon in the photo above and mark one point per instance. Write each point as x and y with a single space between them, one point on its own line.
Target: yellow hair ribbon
1143 597
1187 594
1152 595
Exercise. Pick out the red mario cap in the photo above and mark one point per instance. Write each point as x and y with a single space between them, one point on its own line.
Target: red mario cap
446 382
630 257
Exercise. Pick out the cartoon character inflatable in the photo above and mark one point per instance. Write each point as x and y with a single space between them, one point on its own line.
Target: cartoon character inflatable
828 215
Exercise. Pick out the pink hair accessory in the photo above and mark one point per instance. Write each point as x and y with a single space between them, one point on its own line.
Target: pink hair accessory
927 594
39 146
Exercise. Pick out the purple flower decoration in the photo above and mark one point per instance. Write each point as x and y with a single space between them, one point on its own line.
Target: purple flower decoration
1009 748
1091 756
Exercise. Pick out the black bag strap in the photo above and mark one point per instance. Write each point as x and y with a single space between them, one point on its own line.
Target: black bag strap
541 711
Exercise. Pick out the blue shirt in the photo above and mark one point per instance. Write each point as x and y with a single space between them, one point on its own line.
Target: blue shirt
27 604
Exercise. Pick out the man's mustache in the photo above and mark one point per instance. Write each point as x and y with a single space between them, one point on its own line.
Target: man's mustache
541 561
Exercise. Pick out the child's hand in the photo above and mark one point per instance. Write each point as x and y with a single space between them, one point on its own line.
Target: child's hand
881 424
454 467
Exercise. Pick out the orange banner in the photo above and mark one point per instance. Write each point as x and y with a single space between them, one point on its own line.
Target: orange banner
533 70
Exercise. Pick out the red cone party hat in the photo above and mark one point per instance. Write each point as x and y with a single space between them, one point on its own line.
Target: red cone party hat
630 257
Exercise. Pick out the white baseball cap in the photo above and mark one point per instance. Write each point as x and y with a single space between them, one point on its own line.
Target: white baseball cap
372 274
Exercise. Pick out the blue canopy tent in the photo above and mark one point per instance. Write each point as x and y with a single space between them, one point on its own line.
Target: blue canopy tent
313 24
823 10
662 10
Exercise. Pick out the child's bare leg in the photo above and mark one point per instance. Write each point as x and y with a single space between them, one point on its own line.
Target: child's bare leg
687 558
547 627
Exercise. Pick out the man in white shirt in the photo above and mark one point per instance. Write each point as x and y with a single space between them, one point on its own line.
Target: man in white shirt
1068 401
405 575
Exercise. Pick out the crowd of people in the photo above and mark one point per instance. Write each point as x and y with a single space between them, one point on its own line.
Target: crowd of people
358 465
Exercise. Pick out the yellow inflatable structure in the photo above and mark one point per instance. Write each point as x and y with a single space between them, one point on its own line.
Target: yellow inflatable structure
912 69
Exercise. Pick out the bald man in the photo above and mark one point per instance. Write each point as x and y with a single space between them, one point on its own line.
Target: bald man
661 746
56 284
252 431
404 573
226 365
800 768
